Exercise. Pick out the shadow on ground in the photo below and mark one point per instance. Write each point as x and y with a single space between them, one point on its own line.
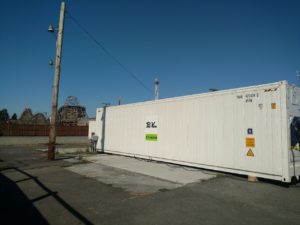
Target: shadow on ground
16 208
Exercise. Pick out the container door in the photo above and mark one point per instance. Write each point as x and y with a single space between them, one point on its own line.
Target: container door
295 139
295 133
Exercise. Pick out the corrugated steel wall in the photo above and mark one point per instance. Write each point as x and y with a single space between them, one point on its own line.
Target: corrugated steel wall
209 129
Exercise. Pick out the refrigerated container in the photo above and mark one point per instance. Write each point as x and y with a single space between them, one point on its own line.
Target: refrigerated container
253 131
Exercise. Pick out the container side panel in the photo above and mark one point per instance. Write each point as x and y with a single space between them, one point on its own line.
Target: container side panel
236 130
92 128
99 127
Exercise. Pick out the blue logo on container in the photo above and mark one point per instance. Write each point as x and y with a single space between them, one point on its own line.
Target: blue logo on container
250 131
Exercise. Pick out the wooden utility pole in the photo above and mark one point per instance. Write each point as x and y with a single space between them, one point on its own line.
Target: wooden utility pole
53 120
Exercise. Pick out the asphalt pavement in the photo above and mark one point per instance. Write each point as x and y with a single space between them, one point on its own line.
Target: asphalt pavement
34 190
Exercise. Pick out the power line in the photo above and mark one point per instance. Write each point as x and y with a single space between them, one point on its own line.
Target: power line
108 52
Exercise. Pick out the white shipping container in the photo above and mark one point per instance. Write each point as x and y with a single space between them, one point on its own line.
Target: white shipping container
92 128
253 131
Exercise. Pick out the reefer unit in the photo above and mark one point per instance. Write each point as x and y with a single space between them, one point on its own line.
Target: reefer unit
252 131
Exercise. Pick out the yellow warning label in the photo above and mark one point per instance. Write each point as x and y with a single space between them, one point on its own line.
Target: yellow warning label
250 142
250 153
273 105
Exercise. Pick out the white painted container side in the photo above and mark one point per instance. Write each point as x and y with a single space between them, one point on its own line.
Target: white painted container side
92 128
244 131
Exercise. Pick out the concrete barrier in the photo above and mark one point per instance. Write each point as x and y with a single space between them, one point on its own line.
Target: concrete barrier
39 140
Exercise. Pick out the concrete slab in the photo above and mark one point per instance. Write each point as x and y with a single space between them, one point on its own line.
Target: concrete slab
164 171
72 160
136 184
65 150
138 176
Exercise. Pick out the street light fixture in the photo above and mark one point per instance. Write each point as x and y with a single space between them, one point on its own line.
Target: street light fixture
51 29
51 62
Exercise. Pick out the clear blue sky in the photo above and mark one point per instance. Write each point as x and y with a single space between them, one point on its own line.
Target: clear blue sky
190 46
